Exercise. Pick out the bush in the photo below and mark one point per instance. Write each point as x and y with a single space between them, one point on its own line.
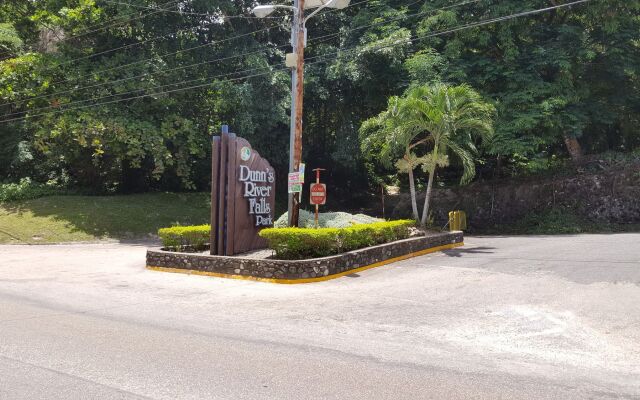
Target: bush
552 221
300 243
26 189
178 238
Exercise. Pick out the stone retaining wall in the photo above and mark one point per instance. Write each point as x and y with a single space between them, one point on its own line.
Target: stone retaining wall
609 195
297 269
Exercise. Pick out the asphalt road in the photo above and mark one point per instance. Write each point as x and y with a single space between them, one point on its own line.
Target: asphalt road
501 318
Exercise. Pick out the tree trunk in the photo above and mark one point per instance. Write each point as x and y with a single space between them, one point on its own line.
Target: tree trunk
425 209
412 190
574 148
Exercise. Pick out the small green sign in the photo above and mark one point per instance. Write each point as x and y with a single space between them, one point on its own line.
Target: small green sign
295 187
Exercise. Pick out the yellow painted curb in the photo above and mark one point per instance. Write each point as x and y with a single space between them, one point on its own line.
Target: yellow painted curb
306 280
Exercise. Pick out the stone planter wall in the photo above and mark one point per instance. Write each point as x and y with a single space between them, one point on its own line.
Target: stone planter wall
297 269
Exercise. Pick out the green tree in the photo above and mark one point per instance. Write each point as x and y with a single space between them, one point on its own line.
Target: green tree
440 120
83 91
386 135
560 80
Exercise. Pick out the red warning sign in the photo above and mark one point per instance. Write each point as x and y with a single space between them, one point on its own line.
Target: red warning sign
318 195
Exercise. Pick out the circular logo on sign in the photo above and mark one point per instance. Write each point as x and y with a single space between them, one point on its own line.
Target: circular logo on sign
245 153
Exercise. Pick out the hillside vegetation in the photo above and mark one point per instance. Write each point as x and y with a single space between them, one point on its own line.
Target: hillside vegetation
121 97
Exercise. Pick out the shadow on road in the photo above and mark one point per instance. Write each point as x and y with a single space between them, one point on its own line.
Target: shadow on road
473 250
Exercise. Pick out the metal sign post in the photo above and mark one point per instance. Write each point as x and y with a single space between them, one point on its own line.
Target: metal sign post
318 193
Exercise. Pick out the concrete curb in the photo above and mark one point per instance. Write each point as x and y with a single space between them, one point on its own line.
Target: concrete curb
300 271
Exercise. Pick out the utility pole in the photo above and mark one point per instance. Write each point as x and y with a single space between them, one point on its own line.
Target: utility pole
298 41
295 61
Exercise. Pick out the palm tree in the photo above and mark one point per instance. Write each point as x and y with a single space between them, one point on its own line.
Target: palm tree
448 118
385 136
441 119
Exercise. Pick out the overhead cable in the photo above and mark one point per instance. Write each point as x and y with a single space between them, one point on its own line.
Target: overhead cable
328 57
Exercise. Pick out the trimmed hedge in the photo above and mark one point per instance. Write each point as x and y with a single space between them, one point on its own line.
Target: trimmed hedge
301 243
185 237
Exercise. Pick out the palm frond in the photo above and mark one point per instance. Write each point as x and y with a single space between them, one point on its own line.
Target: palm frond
467 159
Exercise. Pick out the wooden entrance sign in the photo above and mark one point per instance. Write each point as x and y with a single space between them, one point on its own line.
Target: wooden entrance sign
242 195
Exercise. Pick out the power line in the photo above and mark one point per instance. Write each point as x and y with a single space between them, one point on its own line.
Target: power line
174 53
103 25
462 27
117 48
147 74
444 32
118 17
151 73
139 43
173 33
146 95
211 61
327 58
464 3
311 40
147 59
467 26
185 12
63 39
150 58
178 31
132 44
117 23
152 94
136 90
143 7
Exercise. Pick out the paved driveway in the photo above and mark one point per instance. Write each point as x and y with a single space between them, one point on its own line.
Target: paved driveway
502 317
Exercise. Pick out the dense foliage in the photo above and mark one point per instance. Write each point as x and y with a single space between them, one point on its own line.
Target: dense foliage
562 82
299 243
26 189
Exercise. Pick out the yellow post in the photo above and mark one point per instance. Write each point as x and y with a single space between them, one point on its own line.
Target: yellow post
457 220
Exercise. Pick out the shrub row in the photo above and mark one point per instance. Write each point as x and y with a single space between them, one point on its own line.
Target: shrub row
26 189
185 237
300 243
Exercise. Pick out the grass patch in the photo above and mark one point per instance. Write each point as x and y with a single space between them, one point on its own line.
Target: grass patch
57 219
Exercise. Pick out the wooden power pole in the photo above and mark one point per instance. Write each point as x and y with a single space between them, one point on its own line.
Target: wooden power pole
298 41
